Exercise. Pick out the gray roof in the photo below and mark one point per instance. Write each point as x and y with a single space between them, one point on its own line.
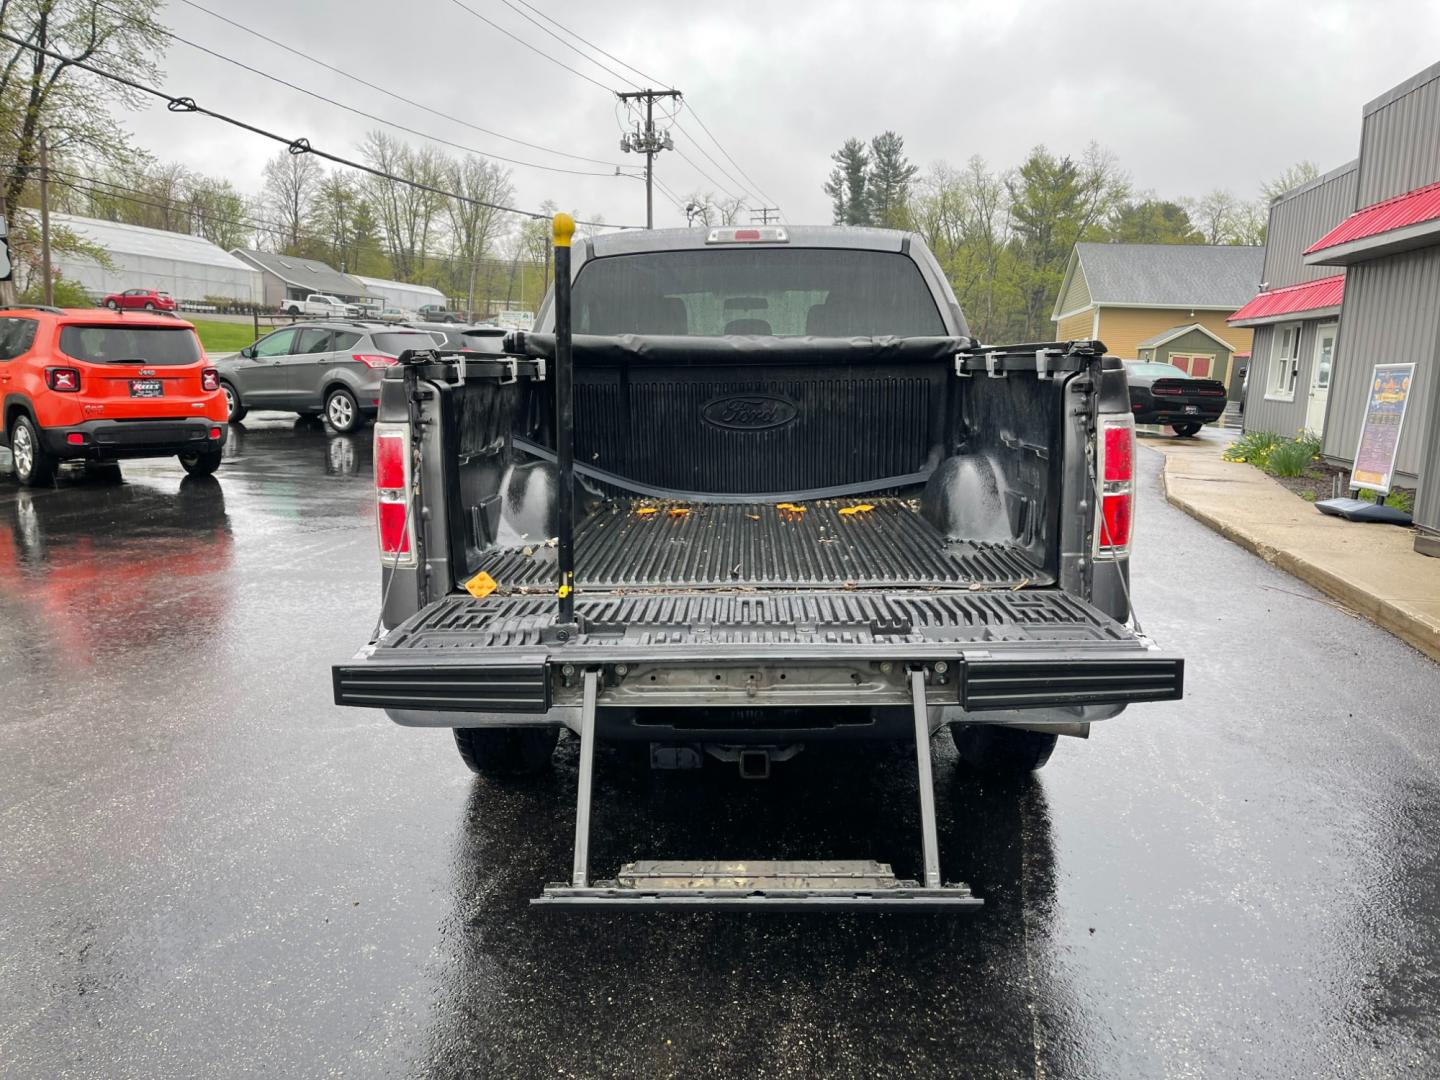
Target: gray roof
1171 275
311 274
1180 331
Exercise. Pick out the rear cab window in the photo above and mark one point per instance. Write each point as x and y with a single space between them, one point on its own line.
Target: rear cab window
779 292
110 344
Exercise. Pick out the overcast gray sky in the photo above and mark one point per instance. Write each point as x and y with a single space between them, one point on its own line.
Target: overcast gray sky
1189 96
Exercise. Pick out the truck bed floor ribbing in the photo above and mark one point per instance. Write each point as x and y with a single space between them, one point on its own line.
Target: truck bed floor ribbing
622 546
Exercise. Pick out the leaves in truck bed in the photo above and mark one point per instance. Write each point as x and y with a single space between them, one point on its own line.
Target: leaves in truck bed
861 508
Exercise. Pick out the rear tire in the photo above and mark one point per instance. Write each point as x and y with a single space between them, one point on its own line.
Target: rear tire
149 306
202 462
34 465
1186 430
234 411
507 751
1004 751
342 411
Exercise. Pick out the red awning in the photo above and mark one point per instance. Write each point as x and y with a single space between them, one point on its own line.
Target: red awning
1412 208
1294 299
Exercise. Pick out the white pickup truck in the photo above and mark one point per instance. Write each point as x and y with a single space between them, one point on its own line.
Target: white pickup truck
321 304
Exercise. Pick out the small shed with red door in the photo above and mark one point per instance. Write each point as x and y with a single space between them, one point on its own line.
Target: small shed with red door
1192 349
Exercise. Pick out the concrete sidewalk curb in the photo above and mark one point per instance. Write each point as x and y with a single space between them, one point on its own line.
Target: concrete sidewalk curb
1190 483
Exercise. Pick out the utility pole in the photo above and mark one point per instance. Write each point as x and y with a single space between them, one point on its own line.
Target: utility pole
763 214
47 294
648 141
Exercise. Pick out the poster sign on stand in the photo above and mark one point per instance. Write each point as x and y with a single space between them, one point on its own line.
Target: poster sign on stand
1380 433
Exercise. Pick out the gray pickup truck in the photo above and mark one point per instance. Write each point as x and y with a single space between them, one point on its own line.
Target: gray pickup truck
743 490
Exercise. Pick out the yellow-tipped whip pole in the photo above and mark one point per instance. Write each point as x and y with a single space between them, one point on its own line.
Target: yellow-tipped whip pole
563 230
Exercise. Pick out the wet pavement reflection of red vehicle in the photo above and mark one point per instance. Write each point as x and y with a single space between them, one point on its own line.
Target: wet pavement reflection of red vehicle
97 564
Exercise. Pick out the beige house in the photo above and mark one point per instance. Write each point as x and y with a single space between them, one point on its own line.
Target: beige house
1128 294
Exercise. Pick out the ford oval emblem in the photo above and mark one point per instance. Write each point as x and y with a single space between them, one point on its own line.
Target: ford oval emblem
749 412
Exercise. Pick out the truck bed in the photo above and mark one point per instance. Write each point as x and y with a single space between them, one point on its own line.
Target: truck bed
878 543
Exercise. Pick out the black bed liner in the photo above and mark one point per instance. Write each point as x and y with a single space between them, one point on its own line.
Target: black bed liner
642 545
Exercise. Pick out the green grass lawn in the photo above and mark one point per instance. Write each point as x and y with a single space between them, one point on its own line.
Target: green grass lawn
225 337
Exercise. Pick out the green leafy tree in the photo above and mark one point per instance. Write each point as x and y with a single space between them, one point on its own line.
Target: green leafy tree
847 184
888 180
1055 202
217 212
1153 221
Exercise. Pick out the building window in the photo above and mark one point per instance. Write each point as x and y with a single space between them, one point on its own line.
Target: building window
1284 363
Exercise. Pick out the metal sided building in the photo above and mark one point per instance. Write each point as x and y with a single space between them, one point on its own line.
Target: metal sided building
287 277
401 294
1296 314
1352 279
1389 249
189 268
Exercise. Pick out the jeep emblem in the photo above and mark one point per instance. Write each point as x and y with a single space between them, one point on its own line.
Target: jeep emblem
749 412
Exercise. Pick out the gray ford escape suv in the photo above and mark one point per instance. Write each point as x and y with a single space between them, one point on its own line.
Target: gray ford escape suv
331 367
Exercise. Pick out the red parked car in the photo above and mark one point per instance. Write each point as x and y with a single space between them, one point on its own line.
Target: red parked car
142 299
85 385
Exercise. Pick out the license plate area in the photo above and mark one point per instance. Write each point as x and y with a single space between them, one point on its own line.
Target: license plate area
147 388
1192 410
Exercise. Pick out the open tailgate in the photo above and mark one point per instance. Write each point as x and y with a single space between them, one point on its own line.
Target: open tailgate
979 649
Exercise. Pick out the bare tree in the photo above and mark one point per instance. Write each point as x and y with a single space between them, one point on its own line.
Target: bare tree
474 227
1214 214
291 182
406 212
700 208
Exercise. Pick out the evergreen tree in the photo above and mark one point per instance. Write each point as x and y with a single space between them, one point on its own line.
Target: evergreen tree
1153 221
888 181
847 184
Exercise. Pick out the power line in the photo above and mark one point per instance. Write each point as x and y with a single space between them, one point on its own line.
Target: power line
723 171
295 146
379 119
131 195
597 48
532 48
390 93
608 70
752 191
686 158
719 146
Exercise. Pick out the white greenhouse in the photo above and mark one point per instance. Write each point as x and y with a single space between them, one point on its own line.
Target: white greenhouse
189 268
400 294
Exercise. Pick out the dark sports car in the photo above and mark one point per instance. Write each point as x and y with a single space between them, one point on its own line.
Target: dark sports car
1164 394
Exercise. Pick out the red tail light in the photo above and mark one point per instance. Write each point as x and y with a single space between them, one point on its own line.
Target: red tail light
390 459
64 380
392 493
1115 516
374 360
209 379
394 529
1166 390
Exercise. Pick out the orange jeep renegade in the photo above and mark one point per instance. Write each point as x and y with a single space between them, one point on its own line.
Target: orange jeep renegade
98 386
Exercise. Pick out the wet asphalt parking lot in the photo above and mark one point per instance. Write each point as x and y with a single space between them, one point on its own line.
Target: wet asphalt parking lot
206 868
